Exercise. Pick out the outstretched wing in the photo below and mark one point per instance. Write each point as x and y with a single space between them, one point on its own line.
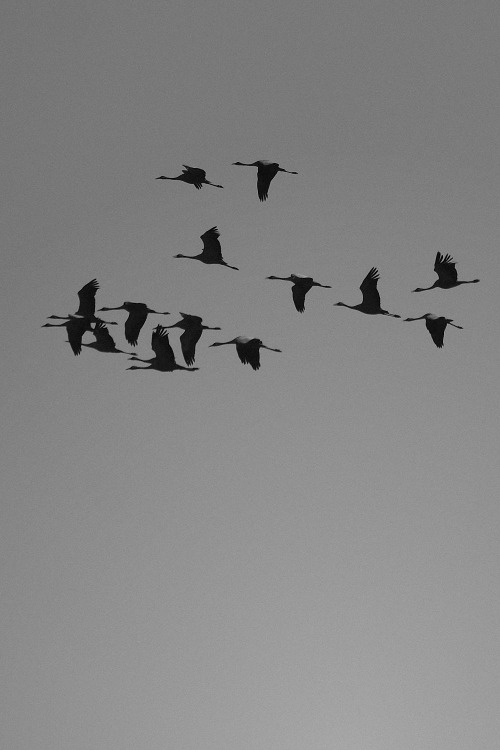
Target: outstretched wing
161 347
86 295
188 340
211 245
265 173
299 292
369 289
75 328
133 325
436 328
102 336
249 353
444 266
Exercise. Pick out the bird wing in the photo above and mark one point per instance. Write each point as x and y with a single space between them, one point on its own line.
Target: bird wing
436 328
211 245
265 173
188 340
102 336
161 347
133 325
76 328
249 353
86 295
444 266
369 288
299 292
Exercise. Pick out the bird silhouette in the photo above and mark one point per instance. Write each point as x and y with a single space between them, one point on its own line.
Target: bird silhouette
211 253
193 328
164 359
86 308
436 325
301 285
193 176
104 342
248 349
444 266
137 314
371 298
266 171
75 328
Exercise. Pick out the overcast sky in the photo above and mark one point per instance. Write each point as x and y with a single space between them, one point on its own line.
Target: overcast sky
299 558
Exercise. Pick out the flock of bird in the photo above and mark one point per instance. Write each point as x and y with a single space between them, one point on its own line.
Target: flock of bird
248 349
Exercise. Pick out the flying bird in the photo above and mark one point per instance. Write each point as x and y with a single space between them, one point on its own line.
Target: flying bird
75 328
266 171
164 359
104 342
211 253
371 298
86 308
248 349
193 328
301 285
444 266
193 176
137 314
436 325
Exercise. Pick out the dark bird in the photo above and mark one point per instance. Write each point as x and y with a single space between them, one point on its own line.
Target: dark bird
444 266
75 328
193 176
266 170
164 359
86 308
371 298
436 325
104 342
301 285
211 253
193 328
248 349
137 314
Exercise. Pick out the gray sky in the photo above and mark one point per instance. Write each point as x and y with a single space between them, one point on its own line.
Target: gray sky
300 557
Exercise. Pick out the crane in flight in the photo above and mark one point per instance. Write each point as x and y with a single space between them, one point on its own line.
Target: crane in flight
193 176
436 325
212 252
301 285
192 327
444 266
137 314
248 349
266 171
371 297
164 359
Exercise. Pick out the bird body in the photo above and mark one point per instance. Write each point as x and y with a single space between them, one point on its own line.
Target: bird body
301 285
193 328
193 176
137 314
444 266
436 325
248 349
266 171
212 252
371 297
164 359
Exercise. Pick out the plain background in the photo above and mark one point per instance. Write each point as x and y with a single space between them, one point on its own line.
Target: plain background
300 557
